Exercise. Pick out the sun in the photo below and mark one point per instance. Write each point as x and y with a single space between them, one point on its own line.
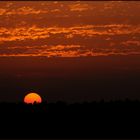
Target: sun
32 98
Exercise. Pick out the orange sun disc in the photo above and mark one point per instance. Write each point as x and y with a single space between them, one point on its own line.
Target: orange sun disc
32 98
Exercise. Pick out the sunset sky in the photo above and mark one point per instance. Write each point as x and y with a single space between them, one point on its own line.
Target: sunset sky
46 46
69 29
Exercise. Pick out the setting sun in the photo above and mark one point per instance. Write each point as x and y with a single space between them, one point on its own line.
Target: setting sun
32 98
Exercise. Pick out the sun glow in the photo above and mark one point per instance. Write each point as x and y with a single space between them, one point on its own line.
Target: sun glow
32 98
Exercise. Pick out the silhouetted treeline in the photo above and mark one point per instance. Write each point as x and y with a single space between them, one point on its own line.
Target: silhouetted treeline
114 119
60 106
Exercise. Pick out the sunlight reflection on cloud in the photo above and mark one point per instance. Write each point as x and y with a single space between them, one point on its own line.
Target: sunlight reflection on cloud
69 29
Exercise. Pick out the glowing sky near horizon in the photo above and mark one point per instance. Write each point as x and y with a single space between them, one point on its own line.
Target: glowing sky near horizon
69 29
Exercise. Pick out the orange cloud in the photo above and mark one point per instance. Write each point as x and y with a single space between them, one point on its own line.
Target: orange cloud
67 51
21 11
34 32
79 7
131 43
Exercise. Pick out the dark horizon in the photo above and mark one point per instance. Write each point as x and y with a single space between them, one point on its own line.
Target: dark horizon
59 120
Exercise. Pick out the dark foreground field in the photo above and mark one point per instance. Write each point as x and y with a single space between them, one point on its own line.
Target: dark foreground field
116 119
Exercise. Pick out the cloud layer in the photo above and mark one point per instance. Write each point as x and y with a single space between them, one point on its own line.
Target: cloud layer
69 29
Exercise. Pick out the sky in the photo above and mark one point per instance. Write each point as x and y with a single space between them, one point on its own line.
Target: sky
70 50
69 29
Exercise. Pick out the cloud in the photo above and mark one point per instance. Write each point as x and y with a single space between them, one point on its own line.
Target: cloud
80 7
69 29
25 10
65 51
35 33
131 43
